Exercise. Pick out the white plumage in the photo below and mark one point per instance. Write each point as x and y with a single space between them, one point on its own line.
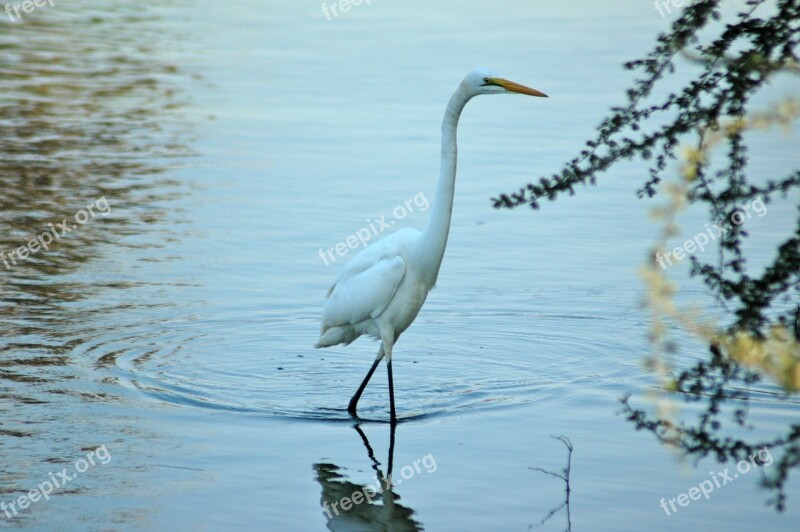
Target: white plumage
382 289
364 289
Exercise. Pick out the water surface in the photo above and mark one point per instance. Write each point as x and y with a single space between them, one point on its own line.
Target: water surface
232 142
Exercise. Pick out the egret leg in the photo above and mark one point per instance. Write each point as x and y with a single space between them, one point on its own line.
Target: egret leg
391 391
354 401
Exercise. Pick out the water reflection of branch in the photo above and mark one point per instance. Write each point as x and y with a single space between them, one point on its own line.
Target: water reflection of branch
564 475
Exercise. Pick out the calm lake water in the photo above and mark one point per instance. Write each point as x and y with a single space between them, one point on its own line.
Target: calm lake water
160 352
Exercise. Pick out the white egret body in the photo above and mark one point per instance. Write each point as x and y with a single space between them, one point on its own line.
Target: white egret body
381 290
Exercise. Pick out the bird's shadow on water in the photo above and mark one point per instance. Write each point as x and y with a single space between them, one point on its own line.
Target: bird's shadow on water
350 506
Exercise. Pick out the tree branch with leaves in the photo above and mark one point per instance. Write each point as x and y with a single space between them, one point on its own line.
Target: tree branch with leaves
712 111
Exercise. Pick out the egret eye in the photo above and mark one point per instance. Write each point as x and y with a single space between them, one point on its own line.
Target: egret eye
485 81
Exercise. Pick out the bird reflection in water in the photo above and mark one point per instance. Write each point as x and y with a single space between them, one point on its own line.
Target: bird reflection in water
350 506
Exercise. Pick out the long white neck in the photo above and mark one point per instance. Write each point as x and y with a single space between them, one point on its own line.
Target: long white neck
434 236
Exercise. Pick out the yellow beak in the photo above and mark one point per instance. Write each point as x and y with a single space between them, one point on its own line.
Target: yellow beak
516 87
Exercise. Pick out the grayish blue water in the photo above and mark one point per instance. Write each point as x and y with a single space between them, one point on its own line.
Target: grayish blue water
232 141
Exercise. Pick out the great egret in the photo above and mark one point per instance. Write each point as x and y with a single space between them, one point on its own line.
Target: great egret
381 290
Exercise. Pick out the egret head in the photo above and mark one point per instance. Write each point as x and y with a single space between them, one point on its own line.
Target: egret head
483 81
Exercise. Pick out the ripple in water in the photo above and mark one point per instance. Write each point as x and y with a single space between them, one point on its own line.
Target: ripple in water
268 368
89 110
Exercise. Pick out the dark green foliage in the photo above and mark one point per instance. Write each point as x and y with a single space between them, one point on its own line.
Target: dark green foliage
736 62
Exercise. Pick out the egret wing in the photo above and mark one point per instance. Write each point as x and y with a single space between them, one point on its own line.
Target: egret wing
363 291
